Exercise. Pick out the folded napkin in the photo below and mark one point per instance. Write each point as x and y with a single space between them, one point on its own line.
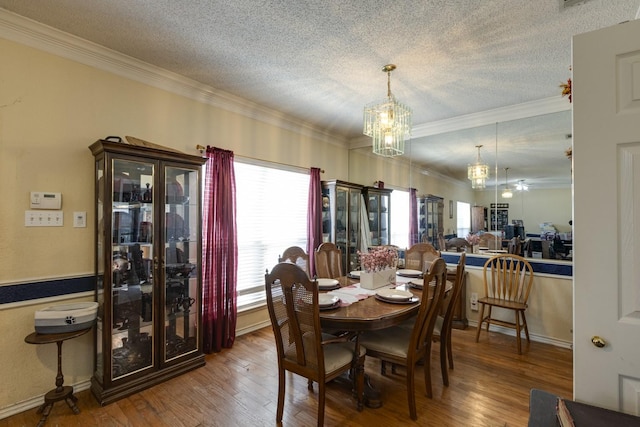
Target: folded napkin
352 293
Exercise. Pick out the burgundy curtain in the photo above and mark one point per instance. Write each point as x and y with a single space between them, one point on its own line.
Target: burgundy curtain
413 217
314 217
219 252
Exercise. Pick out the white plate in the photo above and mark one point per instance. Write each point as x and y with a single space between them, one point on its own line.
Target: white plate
404 301
409 273
394 294
417 282
355 273
327 283
326 300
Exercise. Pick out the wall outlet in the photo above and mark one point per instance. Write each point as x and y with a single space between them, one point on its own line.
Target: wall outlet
474 301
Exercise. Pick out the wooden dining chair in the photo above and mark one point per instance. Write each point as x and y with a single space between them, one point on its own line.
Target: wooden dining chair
490 241
296 255
408 346
515 246
329 261
302 348
442 328
507 284
417 254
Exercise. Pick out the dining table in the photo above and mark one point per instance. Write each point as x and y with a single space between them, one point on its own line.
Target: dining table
359 310
370 313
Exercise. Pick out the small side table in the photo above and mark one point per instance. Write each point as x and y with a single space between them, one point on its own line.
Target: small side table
60 392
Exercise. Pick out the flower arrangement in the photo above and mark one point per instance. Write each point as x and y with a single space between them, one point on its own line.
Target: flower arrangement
378 259
566 88
473 239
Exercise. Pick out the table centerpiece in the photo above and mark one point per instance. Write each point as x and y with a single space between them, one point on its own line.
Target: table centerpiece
378 267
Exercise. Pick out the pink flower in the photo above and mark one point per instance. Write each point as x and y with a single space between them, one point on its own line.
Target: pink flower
378 259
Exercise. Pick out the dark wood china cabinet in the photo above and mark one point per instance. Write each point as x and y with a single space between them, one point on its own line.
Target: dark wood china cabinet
148 266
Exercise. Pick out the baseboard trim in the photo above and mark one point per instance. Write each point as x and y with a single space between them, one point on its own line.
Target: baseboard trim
34 402
534 337
252 328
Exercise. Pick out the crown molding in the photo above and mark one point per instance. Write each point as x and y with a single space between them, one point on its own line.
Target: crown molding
511 112
28 32
497 115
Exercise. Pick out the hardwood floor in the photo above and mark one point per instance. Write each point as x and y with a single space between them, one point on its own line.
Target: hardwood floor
238 387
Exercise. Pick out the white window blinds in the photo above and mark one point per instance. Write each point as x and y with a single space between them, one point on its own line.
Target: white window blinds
271 216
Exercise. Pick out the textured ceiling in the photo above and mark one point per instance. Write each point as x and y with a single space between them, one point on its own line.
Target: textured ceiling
320 61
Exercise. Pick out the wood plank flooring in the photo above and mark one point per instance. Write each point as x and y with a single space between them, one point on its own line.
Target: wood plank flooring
489 387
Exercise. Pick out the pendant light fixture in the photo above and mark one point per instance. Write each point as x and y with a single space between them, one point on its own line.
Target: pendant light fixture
388 122
478 172
506 193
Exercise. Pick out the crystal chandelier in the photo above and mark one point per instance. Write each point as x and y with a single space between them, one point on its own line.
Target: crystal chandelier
506 193
478 172
388 122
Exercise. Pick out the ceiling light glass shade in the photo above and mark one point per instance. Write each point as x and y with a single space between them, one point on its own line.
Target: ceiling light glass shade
387 122
478 172
521 186
506 193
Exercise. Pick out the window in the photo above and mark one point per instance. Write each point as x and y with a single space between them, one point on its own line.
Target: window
464 219
400 218
271 216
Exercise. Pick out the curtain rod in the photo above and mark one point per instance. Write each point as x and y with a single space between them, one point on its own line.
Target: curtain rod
202 148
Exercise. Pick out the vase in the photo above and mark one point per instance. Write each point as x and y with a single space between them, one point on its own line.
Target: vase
377 279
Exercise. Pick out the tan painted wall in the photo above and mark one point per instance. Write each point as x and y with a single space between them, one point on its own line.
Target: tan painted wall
550 311
51 110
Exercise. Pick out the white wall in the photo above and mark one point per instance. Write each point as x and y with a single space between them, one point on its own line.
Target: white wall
535 207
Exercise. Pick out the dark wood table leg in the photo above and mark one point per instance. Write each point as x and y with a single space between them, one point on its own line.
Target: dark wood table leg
61 392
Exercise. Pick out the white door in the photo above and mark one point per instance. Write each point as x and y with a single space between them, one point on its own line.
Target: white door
606 216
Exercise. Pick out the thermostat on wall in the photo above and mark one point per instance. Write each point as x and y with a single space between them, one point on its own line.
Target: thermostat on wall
44 200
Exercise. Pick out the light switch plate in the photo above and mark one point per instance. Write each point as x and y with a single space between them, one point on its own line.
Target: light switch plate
43 219
79 219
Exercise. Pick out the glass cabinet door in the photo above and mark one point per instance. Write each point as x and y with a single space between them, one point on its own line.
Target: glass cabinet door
181 290
341 202
132 331
378 210
352 258
383 220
